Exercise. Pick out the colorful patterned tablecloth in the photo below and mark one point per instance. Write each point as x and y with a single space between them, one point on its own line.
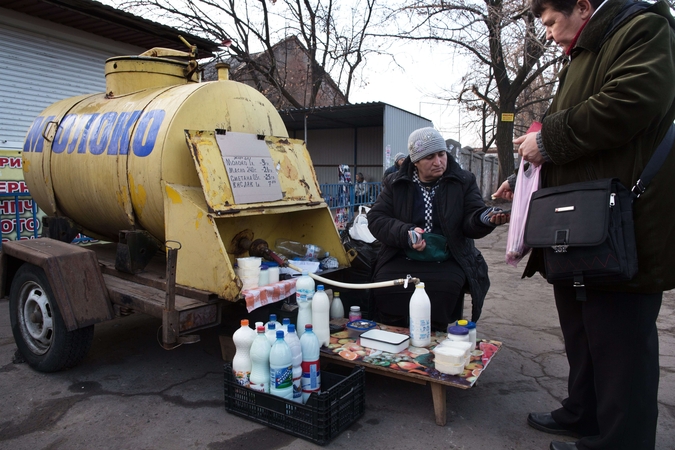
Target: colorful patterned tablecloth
414 360
264 295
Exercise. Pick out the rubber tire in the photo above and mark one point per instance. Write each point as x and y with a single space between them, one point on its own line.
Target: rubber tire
64 349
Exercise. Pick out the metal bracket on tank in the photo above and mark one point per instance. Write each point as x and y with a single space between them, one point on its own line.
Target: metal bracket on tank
135 250
60 228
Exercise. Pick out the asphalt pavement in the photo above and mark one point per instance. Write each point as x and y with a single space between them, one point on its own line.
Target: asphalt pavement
129 393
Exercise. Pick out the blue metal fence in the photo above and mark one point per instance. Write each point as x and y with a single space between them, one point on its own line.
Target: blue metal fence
344 199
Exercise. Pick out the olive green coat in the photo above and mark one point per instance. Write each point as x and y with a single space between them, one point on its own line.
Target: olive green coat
614 104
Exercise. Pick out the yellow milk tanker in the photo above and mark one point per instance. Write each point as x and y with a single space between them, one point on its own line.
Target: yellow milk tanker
146 155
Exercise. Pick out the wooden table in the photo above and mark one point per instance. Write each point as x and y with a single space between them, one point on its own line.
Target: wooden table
414 365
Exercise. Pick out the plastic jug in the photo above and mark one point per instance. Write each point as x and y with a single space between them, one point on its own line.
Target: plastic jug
311 369
281 368
420 317
285 322
321 316
293 342
304 314
260 362
241 363
337 309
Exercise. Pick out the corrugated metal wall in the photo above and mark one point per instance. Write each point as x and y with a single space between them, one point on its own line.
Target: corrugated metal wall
36 70
330 148
398 124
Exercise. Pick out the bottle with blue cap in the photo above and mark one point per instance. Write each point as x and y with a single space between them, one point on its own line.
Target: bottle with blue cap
281 368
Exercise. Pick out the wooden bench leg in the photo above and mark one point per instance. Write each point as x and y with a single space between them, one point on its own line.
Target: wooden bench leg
440 403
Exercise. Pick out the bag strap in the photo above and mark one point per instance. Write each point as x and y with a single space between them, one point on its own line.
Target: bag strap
655 163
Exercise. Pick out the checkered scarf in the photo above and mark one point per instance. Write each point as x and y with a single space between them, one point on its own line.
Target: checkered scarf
428 193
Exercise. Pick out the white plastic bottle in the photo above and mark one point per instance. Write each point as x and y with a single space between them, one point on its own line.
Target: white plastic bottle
321 316
304 314
285 322
311 369
260 362
420 317
304 285
337 309
271 333
293 342
273 319
241 363
281 368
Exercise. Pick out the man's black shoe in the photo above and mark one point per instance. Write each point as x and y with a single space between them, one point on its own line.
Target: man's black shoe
544 422
557 445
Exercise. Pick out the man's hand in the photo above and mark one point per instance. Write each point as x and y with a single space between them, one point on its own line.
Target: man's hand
504 192
529 149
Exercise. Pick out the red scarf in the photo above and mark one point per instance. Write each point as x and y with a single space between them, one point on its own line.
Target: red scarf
576 38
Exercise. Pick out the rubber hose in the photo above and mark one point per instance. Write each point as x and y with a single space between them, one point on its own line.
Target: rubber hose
340 284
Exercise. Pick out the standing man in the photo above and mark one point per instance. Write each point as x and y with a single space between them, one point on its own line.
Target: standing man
614 104
398 160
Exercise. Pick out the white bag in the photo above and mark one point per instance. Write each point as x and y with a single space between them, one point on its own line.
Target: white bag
359 229
526 184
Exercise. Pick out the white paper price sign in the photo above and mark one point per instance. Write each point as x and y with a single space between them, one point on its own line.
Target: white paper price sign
250 168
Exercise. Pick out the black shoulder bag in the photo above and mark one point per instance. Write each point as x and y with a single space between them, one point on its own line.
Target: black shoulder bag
586 229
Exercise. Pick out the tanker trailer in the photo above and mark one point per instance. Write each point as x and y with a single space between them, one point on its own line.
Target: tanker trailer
158 161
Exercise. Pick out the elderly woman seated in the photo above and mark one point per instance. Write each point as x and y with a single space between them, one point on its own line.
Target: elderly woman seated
426 218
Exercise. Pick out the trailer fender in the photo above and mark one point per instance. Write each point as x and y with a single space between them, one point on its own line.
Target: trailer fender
73 274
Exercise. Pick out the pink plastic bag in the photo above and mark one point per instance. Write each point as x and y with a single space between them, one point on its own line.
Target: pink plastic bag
526 184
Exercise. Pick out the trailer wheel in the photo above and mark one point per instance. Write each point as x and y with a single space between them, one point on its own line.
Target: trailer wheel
38 327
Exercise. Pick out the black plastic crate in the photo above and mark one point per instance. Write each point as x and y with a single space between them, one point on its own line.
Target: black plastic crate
325 415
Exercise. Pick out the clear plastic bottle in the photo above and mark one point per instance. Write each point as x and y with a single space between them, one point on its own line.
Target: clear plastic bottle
337 309
420 317
311 368
281 368
305 285
304 314
321 316
273 319
355 313
271 333
293 342
260 362
241 362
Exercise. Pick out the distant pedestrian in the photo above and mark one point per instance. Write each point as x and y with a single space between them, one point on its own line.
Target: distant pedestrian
398 160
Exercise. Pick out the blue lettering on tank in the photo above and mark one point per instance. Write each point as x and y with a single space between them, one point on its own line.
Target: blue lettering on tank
34 139
97 133
63 133
82 148
121 135
77 130
100 133
146 132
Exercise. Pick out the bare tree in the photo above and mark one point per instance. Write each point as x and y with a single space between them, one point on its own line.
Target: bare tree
334 39
510 56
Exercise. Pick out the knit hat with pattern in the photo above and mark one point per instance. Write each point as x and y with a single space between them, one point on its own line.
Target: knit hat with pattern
425 141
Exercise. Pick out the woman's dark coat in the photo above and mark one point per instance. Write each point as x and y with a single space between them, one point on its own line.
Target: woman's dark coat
459 205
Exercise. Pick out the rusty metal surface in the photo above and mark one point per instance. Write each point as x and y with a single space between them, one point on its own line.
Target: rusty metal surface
74 276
